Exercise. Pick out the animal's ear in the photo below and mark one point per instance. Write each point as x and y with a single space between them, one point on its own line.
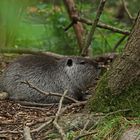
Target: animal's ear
69 62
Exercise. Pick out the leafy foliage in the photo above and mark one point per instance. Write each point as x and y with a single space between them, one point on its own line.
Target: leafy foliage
41 26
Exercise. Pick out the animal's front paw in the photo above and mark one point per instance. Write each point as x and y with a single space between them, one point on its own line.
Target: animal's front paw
3 95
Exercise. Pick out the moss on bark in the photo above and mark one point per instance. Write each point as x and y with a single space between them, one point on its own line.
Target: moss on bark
106 101
119 88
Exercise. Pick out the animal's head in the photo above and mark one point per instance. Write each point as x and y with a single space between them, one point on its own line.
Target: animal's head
81 70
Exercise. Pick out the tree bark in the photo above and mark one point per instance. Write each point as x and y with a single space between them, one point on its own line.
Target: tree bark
119 88
78 27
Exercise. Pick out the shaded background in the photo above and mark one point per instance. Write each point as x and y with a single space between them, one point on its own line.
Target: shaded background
40 25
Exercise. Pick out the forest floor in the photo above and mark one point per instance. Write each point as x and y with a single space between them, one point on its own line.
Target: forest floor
15 116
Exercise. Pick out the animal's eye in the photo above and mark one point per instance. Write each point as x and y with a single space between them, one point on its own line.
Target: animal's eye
82 62
69 62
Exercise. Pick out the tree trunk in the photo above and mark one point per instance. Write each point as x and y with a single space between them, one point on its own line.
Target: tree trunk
78 27
119 88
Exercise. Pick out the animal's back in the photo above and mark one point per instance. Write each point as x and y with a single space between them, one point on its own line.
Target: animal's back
36 69
49 74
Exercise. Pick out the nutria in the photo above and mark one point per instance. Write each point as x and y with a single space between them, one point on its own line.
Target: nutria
71 73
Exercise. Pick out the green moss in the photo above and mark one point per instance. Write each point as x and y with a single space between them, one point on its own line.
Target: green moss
112 127
109 127
101 97
105 101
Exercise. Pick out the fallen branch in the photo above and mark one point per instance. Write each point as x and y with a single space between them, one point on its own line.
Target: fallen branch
26 129
40 121
48 93
84 135
55 122
72 106
4 137
43 126
94 25
98 121
28 51
10 132
32 104
26 133
108 114
85 127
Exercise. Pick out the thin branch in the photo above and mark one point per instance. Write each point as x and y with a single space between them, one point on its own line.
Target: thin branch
55 122
119 42
73 105
108 114
48 93
10 132
26 133
29 51
102 25
70 25
40 121
85 127
40 128
127 11
49 106
94 25
84 135
33 104
5 137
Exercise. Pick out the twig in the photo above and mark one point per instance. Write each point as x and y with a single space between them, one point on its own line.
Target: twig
70 25
32 104
85 126
19 51
127 11
40 128
90 35
119 42
108 114
10 132
60 130
29 51
94 132
48 93
84 135
40 121
46 136
26 133
5 137
72 105
102 25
